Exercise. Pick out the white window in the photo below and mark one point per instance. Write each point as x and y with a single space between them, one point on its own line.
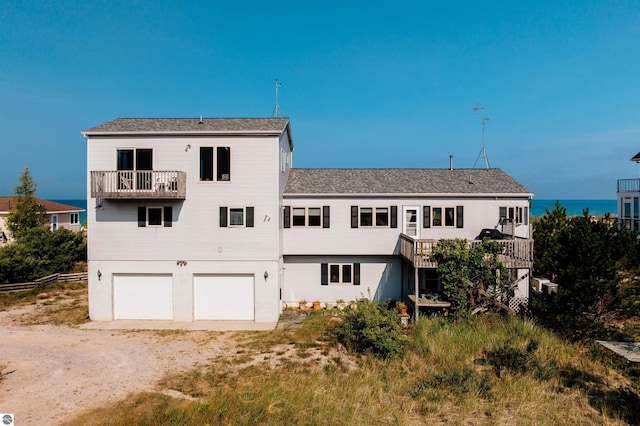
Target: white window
54 222
374 217
74 218
215 163
236 217
155 216
518 215
306 216
340 273
443 217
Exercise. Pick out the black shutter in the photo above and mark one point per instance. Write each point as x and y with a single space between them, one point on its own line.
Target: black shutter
503 212
324 274
356 274
168 216
459 216
250 217
394 216
354 216
325 216
426 216
526 215
142 217
223 217
287 216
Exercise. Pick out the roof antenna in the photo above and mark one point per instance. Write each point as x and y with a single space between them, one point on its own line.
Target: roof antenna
483 152
276 109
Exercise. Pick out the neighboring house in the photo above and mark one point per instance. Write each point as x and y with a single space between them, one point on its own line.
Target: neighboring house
56 215
204 219
628 205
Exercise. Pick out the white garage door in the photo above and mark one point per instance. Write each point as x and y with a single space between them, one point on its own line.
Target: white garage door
223 297
143 297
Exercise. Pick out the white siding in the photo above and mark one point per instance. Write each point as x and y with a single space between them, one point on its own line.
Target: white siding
341 239
380 278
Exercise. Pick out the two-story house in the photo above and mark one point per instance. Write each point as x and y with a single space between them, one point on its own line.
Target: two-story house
55 215
204 219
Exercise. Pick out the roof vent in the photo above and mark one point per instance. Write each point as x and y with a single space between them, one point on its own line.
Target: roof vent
200 122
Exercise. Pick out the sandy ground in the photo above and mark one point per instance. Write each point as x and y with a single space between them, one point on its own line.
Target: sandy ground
56 372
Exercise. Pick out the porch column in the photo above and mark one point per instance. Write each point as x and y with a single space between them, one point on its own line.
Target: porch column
416 282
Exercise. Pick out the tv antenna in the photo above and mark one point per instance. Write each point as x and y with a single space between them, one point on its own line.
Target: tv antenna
276 108
483 151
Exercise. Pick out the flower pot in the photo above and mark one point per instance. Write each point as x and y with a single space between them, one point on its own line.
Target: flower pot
316 306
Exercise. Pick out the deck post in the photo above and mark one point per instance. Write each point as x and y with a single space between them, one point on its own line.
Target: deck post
415 282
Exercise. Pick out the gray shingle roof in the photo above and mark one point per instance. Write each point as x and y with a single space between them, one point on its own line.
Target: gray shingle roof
402 181
190 125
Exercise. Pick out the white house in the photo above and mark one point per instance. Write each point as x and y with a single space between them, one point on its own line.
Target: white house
204 219
55 215
628 195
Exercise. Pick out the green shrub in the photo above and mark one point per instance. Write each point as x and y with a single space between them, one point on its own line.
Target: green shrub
368 327
40 252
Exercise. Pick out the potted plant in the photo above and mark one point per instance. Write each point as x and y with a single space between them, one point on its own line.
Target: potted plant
316 305
302 305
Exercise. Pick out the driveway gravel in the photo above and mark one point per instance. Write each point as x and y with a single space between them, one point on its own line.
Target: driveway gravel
53 373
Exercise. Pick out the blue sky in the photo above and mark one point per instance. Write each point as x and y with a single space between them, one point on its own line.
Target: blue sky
365 83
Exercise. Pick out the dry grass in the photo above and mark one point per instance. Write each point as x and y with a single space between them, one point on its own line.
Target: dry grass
63 303
443 379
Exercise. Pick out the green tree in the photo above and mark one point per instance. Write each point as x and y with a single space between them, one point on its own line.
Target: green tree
41 252
471 275
27 213
584 257
547 247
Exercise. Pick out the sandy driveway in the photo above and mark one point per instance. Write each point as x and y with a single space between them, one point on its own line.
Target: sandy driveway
62 371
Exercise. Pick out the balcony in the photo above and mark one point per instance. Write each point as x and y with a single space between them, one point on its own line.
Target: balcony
139 185
516 253
629 185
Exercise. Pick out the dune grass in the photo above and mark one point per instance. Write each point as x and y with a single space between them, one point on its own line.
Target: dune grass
485 371
61 303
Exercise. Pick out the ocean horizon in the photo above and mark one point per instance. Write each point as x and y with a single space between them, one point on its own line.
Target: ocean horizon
575 207
538 206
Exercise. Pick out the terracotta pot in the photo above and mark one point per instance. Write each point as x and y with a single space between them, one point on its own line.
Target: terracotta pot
316 306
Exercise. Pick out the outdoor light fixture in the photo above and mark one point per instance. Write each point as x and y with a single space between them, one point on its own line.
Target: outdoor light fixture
266 275
187 147
99 275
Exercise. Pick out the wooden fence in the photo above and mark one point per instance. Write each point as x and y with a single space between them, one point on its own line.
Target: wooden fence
43 282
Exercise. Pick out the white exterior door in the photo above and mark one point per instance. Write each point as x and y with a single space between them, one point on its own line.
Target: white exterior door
143 297
54 222
410 221
223 297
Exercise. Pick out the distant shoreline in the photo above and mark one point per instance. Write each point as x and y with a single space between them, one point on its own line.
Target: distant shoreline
597 208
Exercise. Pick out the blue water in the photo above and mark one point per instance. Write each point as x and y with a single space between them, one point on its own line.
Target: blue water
76 203
575 207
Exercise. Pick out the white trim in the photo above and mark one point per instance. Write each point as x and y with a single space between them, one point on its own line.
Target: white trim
418 222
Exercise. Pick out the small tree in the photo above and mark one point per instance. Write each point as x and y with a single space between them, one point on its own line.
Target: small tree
472 276
27 213
585 257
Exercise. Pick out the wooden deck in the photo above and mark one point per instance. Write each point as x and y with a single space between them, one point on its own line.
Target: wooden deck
139 185
516 253
423 302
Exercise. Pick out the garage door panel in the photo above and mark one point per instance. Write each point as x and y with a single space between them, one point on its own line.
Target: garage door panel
224 297
143 297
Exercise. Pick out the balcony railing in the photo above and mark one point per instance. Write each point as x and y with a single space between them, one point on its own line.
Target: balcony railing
138 184
629 185
516 253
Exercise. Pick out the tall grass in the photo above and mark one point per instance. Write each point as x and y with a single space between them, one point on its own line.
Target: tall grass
453 373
